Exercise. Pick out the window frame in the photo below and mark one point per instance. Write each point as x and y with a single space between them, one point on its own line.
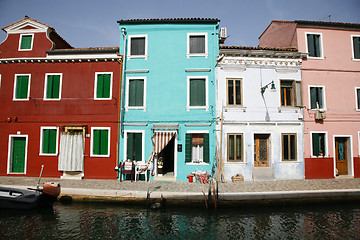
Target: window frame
326 143
145 56
357 99
206 78
28 88
92 142
127 107
46 87
352 48
323 97
199 163
242 160
96 85
126 132
206 53
234 92
41 152
289 145
20 41
320 43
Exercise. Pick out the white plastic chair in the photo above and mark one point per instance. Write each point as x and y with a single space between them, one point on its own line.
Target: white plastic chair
138 169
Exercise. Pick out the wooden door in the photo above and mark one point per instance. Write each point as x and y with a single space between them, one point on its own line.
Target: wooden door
341 155
261 150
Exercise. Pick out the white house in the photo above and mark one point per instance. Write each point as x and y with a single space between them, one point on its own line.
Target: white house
259 112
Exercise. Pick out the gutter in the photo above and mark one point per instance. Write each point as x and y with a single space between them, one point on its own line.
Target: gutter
122 84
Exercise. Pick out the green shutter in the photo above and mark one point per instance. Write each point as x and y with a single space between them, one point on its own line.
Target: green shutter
138 146
56 86
136 92
104 144
106 86
49 86
311 49
18 154
197 92
26 42
45 143
96 142
313 97
22 83
206 148
316 144
188 147
356 43
317 45
130 146
52 141
100 86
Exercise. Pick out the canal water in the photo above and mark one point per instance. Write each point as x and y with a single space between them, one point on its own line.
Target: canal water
100 221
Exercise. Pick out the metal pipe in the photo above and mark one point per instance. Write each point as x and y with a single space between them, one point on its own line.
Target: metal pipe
122 84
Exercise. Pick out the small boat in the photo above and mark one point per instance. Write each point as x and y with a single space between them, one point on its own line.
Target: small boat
28 199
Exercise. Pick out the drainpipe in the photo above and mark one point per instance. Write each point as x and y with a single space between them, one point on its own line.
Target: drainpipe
122 84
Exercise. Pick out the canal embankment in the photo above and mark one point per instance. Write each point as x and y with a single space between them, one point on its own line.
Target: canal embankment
185 193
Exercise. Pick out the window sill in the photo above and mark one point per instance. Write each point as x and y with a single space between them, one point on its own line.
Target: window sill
282 161
51 99
99 156
102 99
137 56
24 99
356 59
135 108
316 58
289 109
235 108
236 163
197 55
197 164
188 108
48 154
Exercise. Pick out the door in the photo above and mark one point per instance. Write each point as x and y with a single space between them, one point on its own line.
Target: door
18 148
261 150
341 148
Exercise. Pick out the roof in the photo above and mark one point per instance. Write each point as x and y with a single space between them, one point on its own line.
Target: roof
169 20
26 18
260 48
261 52
328 24
93 50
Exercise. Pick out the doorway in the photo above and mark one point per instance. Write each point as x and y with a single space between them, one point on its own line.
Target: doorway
342 155
167 156
17 154
261 150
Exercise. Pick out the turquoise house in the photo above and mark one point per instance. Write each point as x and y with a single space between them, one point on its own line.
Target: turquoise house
168 91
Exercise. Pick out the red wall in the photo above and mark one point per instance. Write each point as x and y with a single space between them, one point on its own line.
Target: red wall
319 168
76 107
357 167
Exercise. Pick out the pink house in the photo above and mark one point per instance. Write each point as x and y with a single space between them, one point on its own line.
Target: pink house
331 92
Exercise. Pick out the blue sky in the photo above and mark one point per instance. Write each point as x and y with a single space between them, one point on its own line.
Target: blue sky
93 23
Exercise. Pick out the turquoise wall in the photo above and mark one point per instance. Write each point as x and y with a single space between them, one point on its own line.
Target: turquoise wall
166 85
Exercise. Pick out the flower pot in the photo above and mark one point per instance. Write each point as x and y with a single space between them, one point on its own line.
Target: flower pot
190 178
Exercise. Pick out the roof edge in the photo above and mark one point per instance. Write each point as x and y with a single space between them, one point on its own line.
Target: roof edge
98 50
169 20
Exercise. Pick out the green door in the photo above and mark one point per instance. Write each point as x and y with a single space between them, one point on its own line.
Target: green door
18 154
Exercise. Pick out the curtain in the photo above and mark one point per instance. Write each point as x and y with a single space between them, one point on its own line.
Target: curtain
71 157
137 46
197 44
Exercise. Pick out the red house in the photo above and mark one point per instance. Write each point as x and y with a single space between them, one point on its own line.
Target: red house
59 105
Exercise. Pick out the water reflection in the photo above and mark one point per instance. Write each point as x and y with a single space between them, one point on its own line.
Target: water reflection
93 221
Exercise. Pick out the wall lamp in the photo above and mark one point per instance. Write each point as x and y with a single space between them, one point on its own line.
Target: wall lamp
265 87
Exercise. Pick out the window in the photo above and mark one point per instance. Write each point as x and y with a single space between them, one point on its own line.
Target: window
356 47
197 148
288 147
290 93
136 92
26 42
318 144
197 92
314 45
134 146
100 142
103 86
22 87
357 98
317 98
49 141
197 44
235 148
234 92
52 90
137 46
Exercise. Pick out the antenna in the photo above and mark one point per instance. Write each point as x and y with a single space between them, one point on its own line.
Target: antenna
327 17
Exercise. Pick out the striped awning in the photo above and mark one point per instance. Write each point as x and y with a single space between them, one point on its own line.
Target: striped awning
161 139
